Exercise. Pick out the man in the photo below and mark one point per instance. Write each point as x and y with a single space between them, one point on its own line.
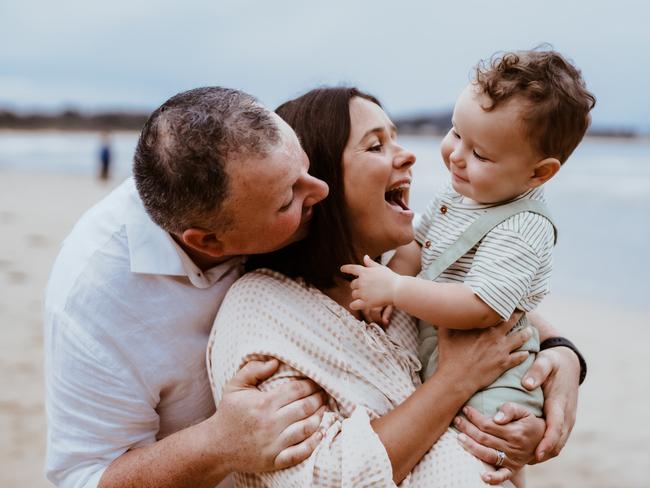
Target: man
135 290
133 295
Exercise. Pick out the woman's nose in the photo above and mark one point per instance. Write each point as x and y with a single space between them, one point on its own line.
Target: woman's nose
404 159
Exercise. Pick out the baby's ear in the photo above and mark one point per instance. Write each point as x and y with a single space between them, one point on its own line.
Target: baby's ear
544 170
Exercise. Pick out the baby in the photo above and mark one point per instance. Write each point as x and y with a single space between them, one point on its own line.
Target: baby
483 249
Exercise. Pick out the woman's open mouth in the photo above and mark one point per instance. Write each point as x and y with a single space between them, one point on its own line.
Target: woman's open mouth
398 196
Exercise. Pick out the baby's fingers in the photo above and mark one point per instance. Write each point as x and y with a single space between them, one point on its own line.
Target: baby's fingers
358 304
386 315
352 269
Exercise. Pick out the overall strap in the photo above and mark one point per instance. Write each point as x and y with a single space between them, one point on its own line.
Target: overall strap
480 228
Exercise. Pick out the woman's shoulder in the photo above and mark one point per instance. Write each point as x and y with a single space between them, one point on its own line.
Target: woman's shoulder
266 283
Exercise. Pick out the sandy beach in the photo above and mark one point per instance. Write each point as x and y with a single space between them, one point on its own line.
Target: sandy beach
609 447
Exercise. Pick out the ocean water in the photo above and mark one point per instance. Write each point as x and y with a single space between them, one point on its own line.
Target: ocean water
600 200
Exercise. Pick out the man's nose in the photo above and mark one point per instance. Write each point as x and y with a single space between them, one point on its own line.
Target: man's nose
317 191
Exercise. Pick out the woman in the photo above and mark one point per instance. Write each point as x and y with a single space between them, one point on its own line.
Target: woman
384 427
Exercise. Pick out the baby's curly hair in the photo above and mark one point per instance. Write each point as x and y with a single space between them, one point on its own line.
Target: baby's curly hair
556 115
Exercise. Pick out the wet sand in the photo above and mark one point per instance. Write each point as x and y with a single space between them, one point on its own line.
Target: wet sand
609 447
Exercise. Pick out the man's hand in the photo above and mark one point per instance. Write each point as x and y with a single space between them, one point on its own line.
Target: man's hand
263 431
513 430
374 286
557 369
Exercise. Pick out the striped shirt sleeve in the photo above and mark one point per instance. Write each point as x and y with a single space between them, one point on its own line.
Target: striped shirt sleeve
511 268
426 222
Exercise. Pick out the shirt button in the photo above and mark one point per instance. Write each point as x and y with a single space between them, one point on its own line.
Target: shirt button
427 244
443 209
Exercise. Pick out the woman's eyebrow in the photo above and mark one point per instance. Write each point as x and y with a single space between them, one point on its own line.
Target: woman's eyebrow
379 130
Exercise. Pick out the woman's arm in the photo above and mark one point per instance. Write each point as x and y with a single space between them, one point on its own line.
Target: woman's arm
487 353
557 370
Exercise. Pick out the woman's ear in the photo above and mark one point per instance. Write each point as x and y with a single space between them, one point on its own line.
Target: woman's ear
204 241
544 170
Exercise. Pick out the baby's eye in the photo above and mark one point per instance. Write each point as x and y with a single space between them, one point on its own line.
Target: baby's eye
455 134
479 157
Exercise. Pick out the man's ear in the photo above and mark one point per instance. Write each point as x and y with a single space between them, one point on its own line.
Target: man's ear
204 241
544 170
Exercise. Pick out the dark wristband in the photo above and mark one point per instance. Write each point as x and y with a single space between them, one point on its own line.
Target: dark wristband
564 342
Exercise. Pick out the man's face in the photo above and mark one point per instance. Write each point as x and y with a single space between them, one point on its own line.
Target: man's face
270 199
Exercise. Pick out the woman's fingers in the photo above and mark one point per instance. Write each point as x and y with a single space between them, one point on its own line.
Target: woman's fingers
298 453
497 477
519 338
486 454
509 412
476 435
515 359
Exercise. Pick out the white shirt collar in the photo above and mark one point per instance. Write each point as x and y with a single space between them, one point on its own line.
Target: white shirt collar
152 250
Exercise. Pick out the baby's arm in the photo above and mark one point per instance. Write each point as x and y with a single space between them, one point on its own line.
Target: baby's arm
449 305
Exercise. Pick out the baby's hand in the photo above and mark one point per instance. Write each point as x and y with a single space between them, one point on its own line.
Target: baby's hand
379 315
374 286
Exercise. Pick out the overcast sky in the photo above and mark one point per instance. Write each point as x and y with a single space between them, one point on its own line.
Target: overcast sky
414 55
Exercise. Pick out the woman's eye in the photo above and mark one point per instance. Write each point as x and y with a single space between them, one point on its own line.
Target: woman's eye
479 157
375 147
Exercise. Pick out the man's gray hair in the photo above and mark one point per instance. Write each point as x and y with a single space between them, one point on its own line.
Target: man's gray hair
180 160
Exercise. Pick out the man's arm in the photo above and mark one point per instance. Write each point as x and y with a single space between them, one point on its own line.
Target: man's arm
102 422
251 431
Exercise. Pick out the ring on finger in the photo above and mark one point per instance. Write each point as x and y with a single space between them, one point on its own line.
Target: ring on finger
501 458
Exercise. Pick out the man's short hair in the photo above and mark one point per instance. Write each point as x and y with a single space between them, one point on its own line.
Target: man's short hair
180 160
556 112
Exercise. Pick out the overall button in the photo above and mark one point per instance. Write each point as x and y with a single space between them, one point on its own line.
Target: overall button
443 209
427 244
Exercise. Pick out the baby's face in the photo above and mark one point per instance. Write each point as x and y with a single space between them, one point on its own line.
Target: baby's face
487 153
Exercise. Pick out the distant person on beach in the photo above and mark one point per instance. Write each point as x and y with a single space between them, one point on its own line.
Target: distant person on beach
138 283
105 154
384 426
484 247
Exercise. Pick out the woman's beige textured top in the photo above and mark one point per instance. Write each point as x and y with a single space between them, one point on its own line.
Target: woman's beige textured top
365 370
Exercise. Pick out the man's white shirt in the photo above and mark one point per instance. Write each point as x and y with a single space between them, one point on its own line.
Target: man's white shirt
127 319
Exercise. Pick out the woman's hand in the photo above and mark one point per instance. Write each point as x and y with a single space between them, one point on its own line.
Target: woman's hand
483 353
513 430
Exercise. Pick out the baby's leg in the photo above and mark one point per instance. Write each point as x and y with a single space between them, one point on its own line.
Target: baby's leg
508 388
